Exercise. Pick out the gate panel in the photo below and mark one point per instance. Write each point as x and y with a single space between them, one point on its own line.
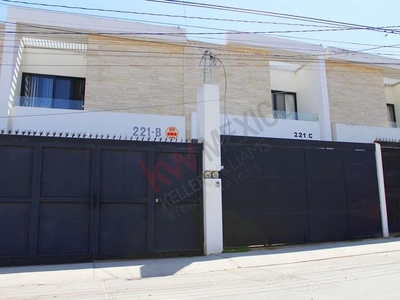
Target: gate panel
286 195
326 195
122 228
312 192
70 200
244 213
15 199
178 208
66 173
64 229
393 210
243 201
362 194
122 209
65 201
14 228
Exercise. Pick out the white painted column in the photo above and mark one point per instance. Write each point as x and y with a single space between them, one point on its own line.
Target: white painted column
382 194
324 112
208 132
9 73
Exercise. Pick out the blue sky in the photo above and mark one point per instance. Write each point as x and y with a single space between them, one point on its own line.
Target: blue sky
366 12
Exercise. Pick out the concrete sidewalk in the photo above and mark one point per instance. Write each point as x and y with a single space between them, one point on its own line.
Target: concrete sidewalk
41 281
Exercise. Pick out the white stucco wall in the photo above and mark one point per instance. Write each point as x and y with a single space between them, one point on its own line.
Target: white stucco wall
283 81
257 126
389 94
304 82
363 134
75 121
54 62
308 89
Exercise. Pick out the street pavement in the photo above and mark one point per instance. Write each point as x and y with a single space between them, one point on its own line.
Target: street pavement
352 270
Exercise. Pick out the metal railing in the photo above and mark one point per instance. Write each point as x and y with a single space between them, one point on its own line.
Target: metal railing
50 103
394 124
291 115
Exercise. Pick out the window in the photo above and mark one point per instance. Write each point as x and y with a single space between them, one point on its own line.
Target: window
52 91
391 115
284 105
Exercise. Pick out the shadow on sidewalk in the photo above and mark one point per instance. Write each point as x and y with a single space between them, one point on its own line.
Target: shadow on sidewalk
147 268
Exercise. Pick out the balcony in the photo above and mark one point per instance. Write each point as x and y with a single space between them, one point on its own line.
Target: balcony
50 103
291 115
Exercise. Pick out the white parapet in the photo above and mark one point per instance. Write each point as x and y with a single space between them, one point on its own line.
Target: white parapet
362 133
253 124
135 126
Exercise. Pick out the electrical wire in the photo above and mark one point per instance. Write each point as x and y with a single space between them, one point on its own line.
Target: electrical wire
277 15
160 15
107 110
74 32
286 37
225 139
174 34
185 33
270 32
145 107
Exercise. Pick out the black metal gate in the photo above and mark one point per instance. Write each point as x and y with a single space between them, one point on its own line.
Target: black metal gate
287 191
391 169
64 199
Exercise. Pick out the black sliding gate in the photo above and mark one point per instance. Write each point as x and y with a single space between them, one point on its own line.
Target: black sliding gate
391 170
288 191
64 199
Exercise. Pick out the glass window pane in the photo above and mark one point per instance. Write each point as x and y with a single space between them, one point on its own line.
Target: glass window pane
290 103
391 115
280 102
62 89
78 89
38 91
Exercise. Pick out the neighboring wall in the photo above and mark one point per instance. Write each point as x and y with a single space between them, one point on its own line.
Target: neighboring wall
356 94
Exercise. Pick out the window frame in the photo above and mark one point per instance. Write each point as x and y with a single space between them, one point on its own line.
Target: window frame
274 100
393 110
55 77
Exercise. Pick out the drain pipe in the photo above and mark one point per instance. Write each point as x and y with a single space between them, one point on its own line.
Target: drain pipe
382 193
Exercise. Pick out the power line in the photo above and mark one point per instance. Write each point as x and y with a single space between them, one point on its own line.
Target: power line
111 110
186 33
57 31
196 46
261 32
277 15
70 32
158 15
